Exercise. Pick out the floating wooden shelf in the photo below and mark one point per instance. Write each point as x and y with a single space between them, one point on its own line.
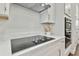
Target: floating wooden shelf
3 17
47 22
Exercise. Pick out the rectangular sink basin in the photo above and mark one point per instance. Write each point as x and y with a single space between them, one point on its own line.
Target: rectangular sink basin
27 42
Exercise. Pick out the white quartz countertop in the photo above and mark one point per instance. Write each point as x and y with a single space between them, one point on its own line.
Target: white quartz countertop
57 37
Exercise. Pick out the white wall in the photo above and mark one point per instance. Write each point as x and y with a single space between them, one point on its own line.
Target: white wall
23 20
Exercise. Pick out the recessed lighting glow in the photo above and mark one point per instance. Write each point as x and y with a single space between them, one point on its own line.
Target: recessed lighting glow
43 4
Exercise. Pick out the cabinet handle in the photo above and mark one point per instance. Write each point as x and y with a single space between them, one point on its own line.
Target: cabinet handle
5 8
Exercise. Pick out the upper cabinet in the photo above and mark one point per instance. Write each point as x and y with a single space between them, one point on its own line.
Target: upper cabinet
4 11
68 9
48 15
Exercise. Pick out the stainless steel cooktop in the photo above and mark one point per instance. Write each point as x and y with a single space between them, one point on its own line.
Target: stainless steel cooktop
27 42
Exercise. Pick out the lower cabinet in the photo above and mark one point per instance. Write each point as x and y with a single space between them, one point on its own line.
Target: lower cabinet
52 49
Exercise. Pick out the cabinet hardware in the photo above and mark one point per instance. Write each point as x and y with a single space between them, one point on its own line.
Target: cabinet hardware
5 9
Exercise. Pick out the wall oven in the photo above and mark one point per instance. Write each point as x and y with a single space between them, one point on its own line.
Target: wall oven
67 32
68 24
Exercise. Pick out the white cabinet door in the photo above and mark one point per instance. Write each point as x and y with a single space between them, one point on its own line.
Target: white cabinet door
62 47
44 16
4 9
44 51
48 14
54 51
7 5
